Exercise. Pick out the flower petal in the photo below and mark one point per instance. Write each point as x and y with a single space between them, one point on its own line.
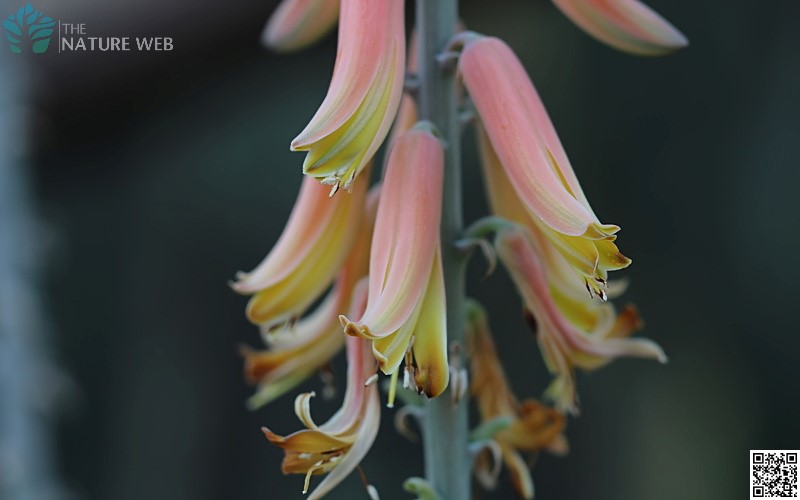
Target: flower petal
519 131
432 372
406 235
627 25
313 247
366 435
529 276
296 24
591 255
520 473
304 347
564 344
307 441
364 93
312 213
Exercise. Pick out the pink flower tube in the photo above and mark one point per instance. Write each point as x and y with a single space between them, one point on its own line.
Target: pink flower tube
363 96
528 149
296 24
627 25
405 314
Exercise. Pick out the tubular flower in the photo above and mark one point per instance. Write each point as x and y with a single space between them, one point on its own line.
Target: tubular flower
526 145
565 287
312 249
405 314
627 25
534 426
338 445
296 353
571 333
296 24
364 93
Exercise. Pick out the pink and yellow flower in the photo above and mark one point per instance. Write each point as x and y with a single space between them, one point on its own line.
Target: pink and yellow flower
337 446
363 96
294 355
534 427
573 332
627 25
296 24
405 314
314 245
526 145
301 349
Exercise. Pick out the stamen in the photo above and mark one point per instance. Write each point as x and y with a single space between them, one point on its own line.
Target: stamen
460 388
392 389
588 288
407 377
349 182
371 380
408 370
310 471
455 382
371 490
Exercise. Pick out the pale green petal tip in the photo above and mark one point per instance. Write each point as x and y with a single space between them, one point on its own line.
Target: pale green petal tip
420 487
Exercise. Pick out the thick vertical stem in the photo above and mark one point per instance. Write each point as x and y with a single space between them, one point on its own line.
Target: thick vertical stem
445 430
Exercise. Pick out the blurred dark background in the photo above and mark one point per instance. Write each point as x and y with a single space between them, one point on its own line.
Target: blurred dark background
154 177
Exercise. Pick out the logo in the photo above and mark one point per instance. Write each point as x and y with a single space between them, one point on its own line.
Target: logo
29 30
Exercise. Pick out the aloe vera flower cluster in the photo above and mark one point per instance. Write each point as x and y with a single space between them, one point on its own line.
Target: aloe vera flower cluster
373 258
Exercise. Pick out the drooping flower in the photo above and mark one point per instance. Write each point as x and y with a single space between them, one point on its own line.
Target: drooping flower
405 315
534 426
295 355
301 349
314 245
363 96
296 24
337 446
527 146
566 301
627 25
572 332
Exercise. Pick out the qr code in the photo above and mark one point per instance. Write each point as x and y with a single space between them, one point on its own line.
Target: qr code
773 474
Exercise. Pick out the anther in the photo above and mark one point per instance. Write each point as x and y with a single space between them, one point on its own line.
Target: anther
371 380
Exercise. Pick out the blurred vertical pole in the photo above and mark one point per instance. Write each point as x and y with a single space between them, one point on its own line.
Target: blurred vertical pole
27 380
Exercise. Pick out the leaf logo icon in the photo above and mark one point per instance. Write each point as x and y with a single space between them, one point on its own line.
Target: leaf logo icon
29 30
